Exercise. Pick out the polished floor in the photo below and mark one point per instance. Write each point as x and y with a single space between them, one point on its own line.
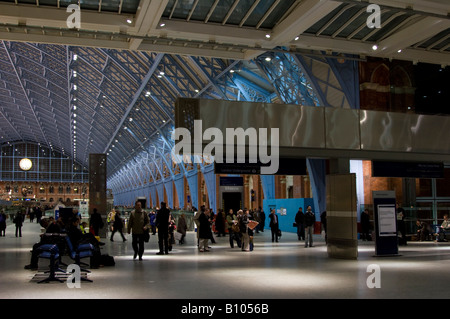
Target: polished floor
283 270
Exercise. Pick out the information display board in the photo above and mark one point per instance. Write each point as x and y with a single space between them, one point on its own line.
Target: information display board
385 219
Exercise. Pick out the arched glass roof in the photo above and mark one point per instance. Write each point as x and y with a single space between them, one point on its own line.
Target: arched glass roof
111 86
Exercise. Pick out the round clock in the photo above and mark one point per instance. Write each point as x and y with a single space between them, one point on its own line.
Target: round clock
25 164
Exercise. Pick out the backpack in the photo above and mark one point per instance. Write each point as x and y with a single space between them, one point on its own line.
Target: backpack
107 260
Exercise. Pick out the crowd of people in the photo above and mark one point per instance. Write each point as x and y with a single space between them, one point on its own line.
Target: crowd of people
240 227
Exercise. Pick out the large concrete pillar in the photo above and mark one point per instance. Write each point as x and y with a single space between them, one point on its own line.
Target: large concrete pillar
342 240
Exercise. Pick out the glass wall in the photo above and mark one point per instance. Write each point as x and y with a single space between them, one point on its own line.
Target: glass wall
47 165
432 200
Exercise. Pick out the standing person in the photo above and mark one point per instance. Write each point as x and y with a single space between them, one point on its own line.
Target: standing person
197 223
211 219
110 218
231 220
117 226
162 223
18 220
137 224
3 223
96 222
205 233
38 214
152 216
323 221
182 227
274 225
172 226
220 224
365 225
31 213
251 228
300 221
262 218
401 226
310 220
243 227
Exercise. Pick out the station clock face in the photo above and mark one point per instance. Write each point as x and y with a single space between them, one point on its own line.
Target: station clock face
25 164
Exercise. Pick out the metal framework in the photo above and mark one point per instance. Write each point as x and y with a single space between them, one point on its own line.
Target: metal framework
110 87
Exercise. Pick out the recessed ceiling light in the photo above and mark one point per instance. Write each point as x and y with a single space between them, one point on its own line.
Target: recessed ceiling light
296 38
268 36
375 47
268 59
129 21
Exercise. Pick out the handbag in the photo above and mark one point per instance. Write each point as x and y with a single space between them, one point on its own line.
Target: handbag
279 233
294 225
177 235
146 235
235 228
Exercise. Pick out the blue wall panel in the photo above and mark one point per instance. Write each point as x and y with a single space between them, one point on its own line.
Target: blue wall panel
291 205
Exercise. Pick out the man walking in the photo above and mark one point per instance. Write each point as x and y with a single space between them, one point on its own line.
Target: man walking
310 220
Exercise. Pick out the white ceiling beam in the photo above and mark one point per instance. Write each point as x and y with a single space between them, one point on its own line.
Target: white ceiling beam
57 18
197 31
65 40
147 19
365 49
423 29
306 14
192 51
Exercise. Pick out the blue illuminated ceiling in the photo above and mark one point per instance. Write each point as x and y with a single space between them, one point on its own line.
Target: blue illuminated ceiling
90 100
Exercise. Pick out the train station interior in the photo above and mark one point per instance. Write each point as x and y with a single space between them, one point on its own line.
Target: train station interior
106 103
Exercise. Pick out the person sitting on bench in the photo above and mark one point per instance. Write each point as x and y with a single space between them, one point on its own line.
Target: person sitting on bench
443 229
423 230
77 237
53 230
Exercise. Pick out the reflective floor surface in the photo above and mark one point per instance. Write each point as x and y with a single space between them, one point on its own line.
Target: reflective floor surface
283 270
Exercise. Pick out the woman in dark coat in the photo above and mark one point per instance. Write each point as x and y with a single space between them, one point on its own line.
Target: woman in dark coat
205 233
